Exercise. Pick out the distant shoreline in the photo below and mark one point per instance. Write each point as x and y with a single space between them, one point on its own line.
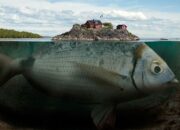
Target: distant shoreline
10 33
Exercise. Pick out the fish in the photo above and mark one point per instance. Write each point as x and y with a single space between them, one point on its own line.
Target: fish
100 73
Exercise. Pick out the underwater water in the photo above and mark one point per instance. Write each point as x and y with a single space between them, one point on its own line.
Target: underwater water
27 98
170 52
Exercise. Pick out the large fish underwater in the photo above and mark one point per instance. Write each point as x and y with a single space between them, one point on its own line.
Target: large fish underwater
100 73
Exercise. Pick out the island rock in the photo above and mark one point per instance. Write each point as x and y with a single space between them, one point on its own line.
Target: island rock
97 31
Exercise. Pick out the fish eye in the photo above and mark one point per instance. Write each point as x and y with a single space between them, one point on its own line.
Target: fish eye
156 68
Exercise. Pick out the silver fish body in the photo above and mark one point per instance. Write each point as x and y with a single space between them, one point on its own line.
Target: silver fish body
97 72
107 75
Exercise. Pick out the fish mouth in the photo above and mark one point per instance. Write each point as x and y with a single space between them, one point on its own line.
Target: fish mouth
173 83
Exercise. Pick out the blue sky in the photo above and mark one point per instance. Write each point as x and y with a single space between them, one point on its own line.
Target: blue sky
161 5
145 18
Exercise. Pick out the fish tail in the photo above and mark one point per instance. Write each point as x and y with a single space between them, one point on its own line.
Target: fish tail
10 68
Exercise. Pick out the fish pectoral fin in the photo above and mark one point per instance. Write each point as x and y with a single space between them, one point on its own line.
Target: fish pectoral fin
99 74
104 116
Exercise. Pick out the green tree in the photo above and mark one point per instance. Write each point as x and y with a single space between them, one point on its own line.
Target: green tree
6 33
108 25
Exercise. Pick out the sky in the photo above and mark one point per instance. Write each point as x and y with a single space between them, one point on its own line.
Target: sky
145 18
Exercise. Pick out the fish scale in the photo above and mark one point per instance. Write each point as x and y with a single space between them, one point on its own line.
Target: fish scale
59 70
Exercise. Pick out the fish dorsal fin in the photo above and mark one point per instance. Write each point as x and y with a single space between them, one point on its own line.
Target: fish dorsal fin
9 67
99 74
104 116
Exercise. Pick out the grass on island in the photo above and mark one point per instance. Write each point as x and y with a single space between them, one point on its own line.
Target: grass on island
6 33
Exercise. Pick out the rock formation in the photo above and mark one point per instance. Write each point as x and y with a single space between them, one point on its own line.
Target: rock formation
79 32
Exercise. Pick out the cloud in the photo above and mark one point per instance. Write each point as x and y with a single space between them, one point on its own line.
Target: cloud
62 15
51 18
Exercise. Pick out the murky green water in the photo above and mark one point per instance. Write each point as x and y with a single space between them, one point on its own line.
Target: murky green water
29 98
170 52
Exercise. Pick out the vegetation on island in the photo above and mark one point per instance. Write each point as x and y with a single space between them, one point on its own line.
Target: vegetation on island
96 30
108 25
6 33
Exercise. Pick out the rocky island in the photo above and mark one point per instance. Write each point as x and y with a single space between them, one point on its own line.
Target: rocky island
96 30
